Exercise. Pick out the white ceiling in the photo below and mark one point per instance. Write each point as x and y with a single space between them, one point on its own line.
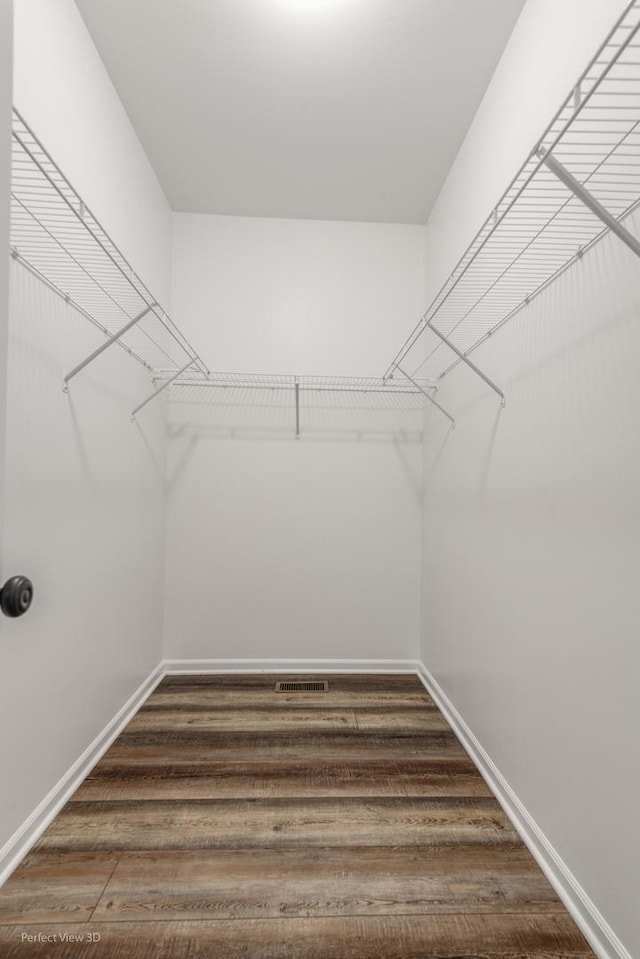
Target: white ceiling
324 109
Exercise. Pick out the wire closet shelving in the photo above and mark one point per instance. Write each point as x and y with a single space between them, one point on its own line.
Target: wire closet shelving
581 181
313 384
188 386
55 235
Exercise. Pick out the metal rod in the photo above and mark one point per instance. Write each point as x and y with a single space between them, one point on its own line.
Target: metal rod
161 388
107 344
465 359
430 398
297 384
590 201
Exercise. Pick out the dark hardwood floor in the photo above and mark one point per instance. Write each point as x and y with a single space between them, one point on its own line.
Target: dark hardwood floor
231 821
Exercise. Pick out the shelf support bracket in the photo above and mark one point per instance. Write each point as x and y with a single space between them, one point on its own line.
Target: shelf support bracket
297 388
106 345
465 359
590 201
161 388
424 393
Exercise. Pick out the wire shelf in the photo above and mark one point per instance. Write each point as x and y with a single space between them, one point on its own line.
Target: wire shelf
235 404
55 235
540 227
286 382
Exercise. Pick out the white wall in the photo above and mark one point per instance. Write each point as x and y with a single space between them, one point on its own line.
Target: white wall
84 520
6 52
84 487
296 296
277 547
532 519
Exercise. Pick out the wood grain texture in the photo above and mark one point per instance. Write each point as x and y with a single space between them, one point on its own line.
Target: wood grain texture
329 881
232 780
176 746
388 937
230 820
56 887
293 719
275 823
406 721
206 698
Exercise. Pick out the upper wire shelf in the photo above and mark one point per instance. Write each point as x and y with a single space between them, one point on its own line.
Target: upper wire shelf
543 223
334 384
304 395
57 237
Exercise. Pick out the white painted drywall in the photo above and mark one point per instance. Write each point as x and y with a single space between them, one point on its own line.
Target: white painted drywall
277 547
290 549
84 520
84 486
532 520
296 296
6 79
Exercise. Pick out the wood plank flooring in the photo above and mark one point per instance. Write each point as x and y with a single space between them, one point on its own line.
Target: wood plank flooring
231 820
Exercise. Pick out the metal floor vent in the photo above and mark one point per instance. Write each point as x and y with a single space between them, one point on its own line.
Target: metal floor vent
305 687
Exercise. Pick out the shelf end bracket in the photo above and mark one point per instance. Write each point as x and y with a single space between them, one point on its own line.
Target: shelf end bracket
105 346
465 359
424 393
161 388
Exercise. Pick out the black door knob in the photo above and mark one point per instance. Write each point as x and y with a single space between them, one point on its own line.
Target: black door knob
16 596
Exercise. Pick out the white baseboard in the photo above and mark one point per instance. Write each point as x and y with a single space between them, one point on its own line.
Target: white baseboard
17 847
582 909
174 667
